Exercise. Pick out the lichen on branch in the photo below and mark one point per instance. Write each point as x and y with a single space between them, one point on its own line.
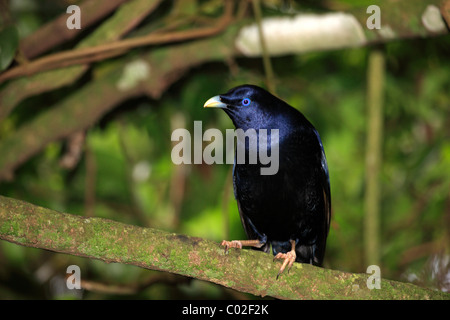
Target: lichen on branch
248 271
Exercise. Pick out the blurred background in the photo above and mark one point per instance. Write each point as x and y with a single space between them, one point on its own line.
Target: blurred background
94 138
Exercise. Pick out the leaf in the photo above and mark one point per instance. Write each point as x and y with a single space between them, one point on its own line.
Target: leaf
9 41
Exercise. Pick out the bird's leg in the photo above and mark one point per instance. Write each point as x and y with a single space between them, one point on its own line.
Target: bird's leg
242 243
289 258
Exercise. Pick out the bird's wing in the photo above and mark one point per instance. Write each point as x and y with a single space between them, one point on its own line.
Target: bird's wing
326 190
325 182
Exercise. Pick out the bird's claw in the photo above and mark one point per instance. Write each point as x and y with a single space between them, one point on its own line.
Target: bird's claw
289 259
231 244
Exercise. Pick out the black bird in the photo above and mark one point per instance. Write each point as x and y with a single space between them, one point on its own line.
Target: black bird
291 209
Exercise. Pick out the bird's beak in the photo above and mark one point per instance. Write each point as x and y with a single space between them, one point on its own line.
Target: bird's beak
214 102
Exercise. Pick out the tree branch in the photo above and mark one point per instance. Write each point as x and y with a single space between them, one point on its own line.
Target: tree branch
108 50
164 65
374 144
243 270
306 32
110 30
55 32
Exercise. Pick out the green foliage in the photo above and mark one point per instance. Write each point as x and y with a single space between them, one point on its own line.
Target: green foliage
9 41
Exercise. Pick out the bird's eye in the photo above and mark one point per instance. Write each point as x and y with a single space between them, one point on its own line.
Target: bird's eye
246 102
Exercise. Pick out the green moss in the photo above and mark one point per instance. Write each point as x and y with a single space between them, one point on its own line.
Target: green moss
245 270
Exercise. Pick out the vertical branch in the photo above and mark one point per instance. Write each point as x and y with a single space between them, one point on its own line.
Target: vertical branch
179 175
129 163
375 82
265 53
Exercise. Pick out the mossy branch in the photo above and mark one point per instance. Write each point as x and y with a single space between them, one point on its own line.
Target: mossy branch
243 270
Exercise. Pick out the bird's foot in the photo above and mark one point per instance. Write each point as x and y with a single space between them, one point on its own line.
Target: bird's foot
240 243
231 244
289 259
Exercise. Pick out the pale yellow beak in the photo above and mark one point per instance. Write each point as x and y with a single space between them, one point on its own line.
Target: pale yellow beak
214 102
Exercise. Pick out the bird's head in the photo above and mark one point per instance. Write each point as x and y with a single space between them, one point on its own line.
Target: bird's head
248 106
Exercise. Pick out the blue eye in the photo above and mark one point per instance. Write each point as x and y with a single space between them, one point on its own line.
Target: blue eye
246 102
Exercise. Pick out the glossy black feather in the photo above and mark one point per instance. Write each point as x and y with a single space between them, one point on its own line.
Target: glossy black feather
295 203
